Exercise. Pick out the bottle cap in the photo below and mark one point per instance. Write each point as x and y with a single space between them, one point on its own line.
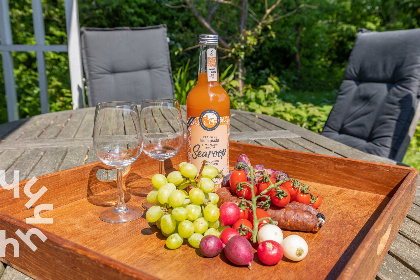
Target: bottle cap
209 39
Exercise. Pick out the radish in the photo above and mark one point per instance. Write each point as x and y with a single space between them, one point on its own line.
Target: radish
210 246
227 234
229 213
239 251
269 252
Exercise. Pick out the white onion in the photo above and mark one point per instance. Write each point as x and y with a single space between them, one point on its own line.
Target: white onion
270 232
295 247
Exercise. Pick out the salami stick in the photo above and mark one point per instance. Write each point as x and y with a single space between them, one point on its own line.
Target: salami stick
295 216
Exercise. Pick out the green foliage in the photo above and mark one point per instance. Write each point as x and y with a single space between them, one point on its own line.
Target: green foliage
270 99
181 83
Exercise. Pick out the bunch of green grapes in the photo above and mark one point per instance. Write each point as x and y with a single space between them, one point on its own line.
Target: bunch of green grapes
185 215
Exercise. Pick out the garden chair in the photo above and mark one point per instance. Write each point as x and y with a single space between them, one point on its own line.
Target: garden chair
128 64
377 110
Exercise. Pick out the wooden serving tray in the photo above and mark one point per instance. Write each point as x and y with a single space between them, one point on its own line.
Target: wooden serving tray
364 204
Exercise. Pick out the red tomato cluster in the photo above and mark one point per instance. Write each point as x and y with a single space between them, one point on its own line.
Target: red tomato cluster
291 190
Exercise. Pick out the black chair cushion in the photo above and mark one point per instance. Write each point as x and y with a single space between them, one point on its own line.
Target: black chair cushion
379 94
127 64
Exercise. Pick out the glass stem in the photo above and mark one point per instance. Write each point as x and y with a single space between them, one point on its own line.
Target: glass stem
120 206
161 167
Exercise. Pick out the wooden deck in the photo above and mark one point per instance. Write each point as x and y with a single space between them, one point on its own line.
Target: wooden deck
57 141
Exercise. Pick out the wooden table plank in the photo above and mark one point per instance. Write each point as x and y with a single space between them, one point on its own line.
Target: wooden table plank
393 269
25 163
8 157
414 213
49 163
407 252
234 123
75 156
411 230
86 128
33 127
56 126
290 145
73 124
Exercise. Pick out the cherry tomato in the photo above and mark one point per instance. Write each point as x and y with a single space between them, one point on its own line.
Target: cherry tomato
316 200
260 215
246 191
262 187
241 230
303 196
280 197
291 188
236 177
243 212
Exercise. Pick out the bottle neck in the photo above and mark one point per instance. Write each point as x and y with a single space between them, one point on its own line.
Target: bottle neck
208 62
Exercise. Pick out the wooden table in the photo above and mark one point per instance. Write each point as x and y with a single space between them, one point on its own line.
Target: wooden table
56 141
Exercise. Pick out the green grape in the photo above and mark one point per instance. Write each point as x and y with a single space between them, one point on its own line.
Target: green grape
209 172
181 164
211 213
176 198
212 231
167 224
164 192
195 239
179 213
175 177
221 228
158 180
212 198
158 223
153 214
189 170
152 197
200 225
171 186
193 212
185 229
215 224
197 196
174 241
206 185
187 201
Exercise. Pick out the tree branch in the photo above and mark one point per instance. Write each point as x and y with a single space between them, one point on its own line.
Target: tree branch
204 23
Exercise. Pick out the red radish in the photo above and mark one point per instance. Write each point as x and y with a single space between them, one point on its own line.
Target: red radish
210 246
229 213
227 234
239 251
270 252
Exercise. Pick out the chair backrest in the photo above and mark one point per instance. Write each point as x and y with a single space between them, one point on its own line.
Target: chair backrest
126 64
377 110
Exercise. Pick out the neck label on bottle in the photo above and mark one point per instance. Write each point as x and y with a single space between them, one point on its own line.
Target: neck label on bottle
211 65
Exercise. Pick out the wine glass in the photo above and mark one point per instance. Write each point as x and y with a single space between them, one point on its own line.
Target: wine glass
118 143
161 128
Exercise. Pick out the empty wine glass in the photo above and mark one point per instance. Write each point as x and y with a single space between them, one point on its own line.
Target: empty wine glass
161 128
118 143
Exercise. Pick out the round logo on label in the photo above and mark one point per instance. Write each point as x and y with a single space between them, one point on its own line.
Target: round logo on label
209 120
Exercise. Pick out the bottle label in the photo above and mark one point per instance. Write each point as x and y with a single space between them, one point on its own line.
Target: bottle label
211 65
208 139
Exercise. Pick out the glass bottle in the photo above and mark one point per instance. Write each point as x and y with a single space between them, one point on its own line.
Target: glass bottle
208 112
